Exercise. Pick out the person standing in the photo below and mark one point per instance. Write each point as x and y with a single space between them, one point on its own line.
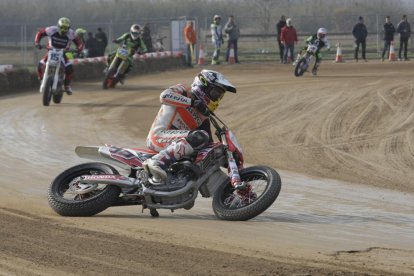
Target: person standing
288 38
102 42
404 29
360 34
216 38
146 37
279 26
233 32
389 32
91 46
190 38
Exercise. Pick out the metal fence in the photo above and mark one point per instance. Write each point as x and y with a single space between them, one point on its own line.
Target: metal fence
16 40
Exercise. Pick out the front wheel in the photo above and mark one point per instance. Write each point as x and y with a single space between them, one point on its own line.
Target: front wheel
68 197
262 188
301 67
47 93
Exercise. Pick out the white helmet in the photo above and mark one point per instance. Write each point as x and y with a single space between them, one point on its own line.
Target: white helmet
135 31
289 22
210 86
321 33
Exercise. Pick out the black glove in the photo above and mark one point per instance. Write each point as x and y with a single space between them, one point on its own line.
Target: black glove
38 46
201 107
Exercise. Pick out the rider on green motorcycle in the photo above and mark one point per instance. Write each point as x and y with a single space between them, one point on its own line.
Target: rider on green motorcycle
321 41
134 43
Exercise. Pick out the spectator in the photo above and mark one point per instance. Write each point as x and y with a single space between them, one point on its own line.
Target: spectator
102 42
279 27
288 38
146 37
91 46
190 39
216 38
404 29
233 32
360 34
389 32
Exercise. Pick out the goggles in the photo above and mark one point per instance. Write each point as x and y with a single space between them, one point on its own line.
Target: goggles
215 93
64 28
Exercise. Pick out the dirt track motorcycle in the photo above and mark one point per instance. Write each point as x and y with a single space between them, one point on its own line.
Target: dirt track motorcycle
238 193
116 67
53 77
303 62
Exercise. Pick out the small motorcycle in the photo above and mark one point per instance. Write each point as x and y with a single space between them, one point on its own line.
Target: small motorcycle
159 44
238 193
303 62
53 77
117 65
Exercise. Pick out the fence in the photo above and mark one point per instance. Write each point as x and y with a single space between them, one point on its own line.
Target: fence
16 40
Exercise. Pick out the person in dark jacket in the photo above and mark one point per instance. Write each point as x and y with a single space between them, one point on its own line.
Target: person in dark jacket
404 29
102 42
360 34
146 37
279 27
91 46
389 32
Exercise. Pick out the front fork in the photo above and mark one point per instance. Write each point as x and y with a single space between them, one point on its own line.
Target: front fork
233 168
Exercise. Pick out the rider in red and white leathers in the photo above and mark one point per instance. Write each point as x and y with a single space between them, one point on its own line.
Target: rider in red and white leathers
60 37
182 125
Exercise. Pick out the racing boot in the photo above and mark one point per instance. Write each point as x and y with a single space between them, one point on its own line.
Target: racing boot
157 165
315 69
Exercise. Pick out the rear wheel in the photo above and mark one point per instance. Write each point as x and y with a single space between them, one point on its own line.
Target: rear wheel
68 197
300 67
57 97
262 188
47 93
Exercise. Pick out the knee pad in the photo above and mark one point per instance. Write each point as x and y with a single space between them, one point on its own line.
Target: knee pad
197 139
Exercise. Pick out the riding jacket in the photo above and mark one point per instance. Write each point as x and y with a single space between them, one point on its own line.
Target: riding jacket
175 119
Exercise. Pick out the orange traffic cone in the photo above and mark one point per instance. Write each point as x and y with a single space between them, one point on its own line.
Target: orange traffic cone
231 56
392 56
339 57
201 56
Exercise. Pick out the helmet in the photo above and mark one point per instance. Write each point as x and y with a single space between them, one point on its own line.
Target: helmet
321 33
80 32
289 22
63 25
210 86
135 31
216 17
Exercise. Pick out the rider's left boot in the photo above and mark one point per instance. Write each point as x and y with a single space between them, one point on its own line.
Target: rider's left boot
68 89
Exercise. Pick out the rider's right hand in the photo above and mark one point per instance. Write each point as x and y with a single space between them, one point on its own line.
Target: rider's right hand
38 46
201 107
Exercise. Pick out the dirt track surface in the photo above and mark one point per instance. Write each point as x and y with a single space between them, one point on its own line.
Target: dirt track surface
343 143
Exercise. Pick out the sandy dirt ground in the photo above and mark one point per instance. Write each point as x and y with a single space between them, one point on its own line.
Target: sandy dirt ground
343 143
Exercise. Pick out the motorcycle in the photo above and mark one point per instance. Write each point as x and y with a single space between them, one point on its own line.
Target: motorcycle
117 65
217 171
303 62
53 77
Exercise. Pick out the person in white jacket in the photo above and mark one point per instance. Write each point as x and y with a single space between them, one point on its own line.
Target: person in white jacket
217 38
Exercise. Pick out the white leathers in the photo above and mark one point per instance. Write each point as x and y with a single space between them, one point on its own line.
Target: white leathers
175 118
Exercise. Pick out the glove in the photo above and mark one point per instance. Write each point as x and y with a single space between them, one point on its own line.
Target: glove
38 46
201 107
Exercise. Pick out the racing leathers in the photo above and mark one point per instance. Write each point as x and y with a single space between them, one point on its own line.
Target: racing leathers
59 41
134 46
178 130
320 43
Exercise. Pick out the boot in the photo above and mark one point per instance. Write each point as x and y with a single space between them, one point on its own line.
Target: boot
157 165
